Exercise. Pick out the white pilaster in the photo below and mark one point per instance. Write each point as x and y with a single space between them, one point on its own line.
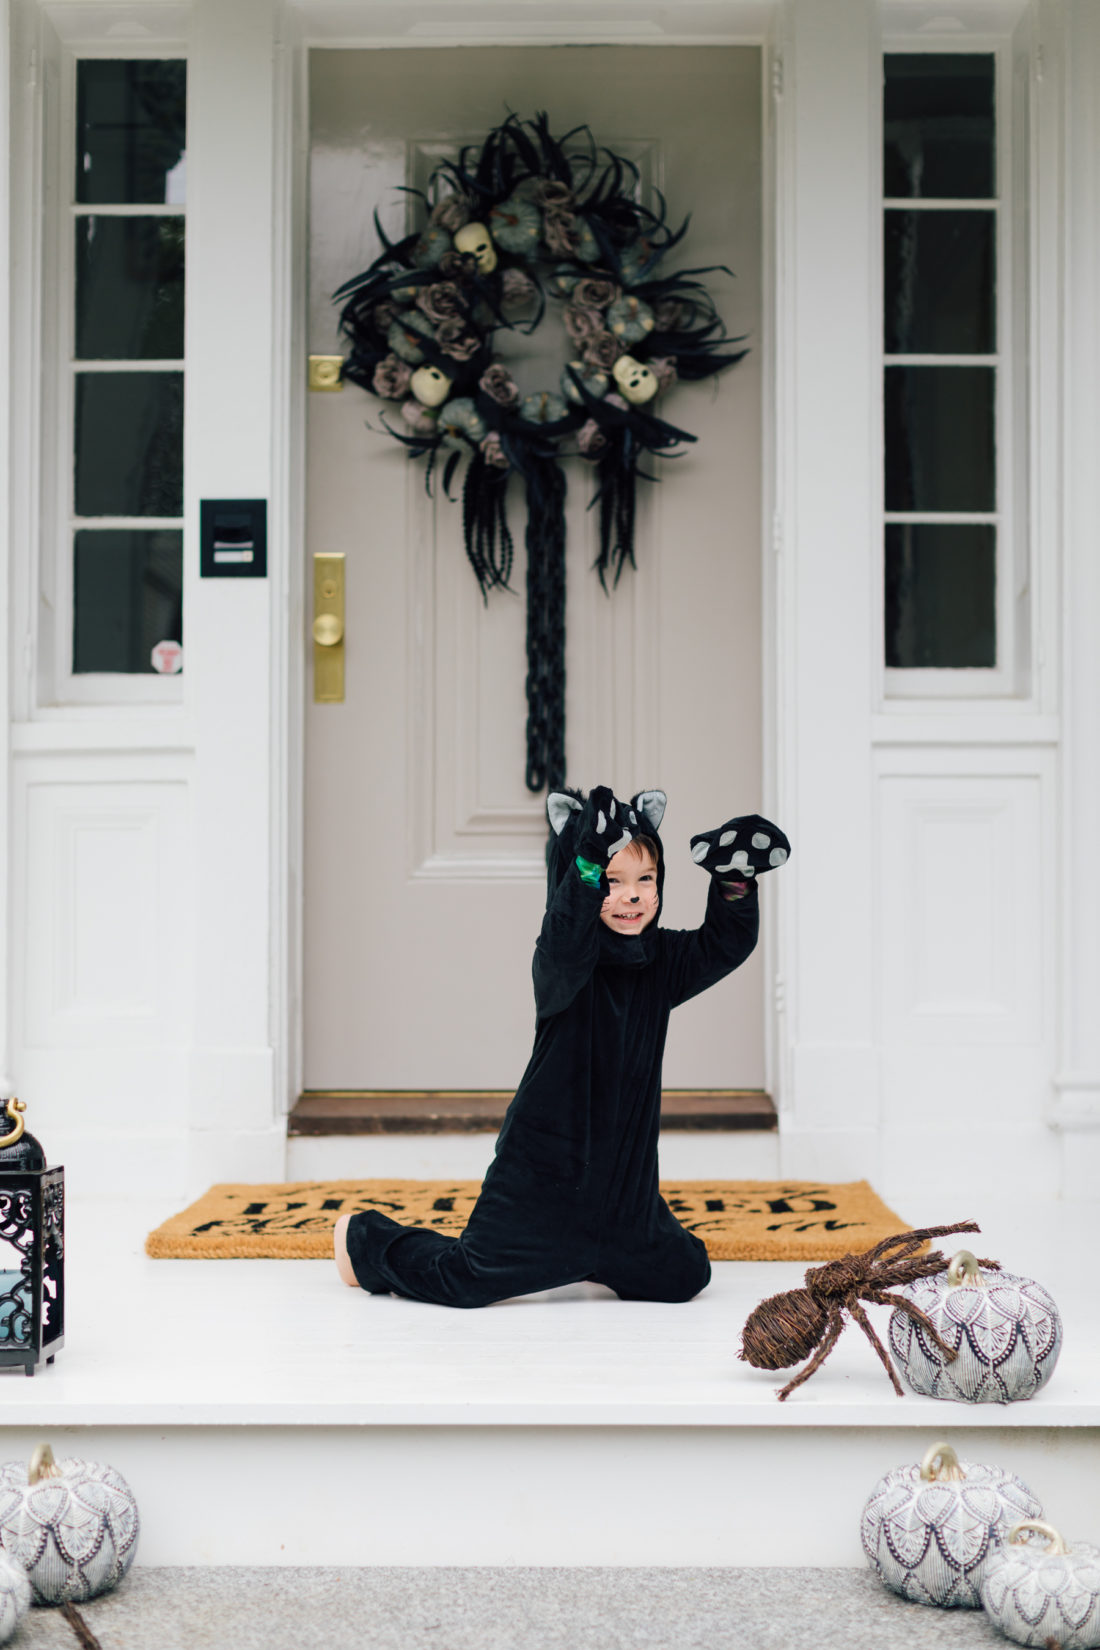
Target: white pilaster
1076 1110
827 484
233 327
5 521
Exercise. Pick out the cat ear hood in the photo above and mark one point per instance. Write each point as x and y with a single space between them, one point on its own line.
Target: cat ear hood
563 810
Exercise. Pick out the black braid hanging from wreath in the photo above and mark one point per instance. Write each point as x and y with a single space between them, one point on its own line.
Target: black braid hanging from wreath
521 218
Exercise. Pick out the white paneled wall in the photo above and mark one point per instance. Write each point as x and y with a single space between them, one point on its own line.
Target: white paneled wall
960 930
103 943
106 868
966 877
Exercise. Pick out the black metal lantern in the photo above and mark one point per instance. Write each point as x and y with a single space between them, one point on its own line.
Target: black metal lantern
32 1248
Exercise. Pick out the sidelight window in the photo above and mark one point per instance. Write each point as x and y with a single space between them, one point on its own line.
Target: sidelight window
944 373
127 364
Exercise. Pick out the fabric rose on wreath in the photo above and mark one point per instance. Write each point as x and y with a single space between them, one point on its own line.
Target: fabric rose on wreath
602 352
668 315
391 378
451 213
492 450
590 439
581 324
663 368
454 340
458 266
594 292
516 289
421 420
551 193
499 385
441 302
560 232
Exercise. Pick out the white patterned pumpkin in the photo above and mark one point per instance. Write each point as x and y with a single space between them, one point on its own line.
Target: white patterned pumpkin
1005 1330
15 1596
72 1525
929 1528
1044 1593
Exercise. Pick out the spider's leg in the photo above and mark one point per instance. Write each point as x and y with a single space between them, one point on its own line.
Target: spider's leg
864 1323
882 1297
834 1323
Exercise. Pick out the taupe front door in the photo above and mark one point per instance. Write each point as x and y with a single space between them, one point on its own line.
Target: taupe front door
423 887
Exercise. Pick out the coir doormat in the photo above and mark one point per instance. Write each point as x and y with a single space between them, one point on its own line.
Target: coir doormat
737 1219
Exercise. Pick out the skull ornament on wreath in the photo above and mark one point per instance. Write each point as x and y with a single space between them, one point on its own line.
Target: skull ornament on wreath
518 218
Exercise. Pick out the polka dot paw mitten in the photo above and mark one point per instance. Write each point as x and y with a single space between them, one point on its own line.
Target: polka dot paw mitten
605 827
742 848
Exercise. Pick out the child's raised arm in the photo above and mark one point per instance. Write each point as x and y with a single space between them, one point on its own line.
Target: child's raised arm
734 855
569 944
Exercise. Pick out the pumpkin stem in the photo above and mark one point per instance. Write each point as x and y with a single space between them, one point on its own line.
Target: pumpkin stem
963 1269
42 1465
940 1462
1056 1547
84 1635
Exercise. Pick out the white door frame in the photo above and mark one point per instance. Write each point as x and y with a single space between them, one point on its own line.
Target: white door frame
728 23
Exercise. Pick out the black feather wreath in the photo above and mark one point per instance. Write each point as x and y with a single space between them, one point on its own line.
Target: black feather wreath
523 218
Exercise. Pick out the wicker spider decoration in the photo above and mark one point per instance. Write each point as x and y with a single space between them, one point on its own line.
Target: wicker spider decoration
786 1328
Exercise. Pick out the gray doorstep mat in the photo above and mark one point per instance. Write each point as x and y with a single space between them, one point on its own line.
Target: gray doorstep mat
507 1609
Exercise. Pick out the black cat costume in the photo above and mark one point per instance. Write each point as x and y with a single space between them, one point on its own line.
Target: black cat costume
571 1193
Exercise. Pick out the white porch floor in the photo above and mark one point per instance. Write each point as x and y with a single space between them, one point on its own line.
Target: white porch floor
265 1414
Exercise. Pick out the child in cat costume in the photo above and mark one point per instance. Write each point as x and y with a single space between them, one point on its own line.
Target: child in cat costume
572 1192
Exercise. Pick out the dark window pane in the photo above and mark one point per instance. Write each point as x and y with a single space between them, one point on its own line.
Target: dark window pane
131 130
939 438
129 444
129 289
939 283
938 125
940 590
127 597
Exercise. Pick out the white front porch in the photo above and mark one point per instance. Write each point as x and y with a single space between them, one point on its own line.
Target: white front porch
267 1415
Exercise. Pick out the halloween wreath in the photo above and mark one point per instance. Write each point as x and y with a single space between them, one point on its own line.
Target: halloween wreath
507 225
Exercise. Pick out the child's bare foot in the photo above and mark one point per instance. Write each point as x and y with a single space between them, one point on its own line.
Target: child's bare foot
340 1252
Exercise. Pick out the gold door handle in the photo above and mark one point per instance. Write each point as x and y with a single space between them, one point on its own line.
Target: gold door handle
328 630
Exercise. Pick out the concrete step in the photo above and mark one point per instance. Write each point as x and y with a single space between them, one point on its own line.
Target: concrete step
741 1154
509 1609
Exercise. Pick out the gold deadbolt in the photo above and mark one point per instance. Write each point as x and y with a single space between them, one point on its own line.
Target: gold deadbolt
328 630
324 372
